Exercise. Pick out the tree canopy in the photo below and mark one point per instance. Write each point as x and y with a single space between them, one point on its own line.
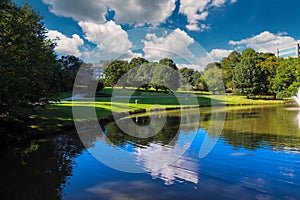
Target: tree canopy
29 72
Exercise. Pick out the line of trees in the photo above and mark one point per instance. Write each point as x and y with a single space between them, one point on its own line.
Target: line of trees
250 73
141 73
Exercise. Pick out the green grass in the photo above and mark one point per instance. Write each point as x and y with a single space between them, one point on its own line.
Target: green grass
58 116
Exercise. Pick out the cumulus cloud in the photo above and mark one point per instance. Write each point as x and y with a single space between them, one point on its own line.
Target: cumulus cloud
173 45
88 10
214 55
111 40
136 12
66 45
264 42
142 12
218 3
197 11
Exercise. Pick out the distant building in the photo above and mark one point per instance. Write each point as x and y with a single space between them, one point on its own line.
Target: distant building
98 71
289 51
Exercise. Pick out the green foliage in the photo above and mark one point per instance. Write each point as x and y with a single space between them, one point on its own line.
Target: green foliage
214 80
187 74
168 62
228 65
70 66
268 68
247 75
135 62
287 78
29 73
165 77
114 71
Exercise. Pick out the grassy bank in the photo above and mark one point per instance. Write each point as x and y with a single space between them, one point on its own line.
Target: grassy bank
60 115
59 118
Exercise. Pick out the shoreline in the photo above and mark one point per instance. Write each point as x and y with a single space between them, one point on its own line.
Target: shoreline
36 135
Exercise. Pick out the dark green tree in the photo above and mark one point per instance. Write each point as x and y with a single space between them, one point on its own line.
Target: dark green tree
228 65
187 74
168 62
269 66
248 75
136 62
29 72
287 78
114 71
164 77
214 80
70 66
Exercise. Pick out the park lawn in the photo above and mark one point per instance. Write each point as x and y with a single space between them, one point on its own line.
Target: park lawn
59 116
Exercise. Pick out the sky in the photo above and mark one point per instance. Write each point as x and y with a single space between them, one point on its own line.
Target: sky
191 32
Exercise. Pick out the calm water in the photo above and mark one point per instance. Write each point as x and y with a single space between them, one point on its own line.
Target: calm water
256 157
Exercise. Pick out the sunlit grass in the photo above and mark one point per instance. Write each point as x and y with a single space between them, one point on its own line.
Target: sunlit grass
57 116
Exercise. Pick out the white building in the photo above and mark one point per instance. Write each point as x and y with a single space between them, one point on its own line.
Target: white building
289 51
98 71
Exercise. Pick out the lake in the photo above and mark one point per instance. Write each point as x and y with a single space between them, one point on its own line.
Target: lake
257 156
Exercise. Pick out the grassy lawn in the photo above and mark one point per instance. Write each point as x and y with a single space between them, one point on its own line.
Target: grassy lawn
59 115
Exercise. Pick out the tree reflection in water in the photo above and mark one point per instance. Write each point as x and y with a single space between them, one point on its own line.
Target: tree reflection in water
41 169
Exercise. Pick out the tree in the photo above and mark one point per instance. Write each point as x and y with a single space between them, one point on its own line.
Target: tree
164 77
214 80
269 67
287 78
144 75
69 66
168 62
247 75
187 74
114 71
136 62
29 73
228 65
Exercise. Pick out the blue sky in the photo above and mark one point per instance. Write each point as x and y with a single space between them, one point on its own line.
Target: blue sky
192 32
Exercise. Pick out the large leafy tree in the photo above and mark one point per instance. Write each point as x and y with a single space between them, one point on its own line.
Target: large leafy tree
70 66
187 74
287 78
269 66
114 71
168 62
29 72
214 80
228 65
164 77
248 75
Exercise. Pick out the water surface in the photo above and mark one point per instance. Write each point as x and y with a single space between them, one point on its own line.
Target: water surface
256 157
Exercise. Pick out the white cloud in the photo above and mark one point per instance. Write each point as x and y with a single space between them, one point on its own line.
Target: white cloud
174 45
66 45
197 27
136 12
196 11
218 3
265 41
111 40
214 55
142 11
190 66
87 10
